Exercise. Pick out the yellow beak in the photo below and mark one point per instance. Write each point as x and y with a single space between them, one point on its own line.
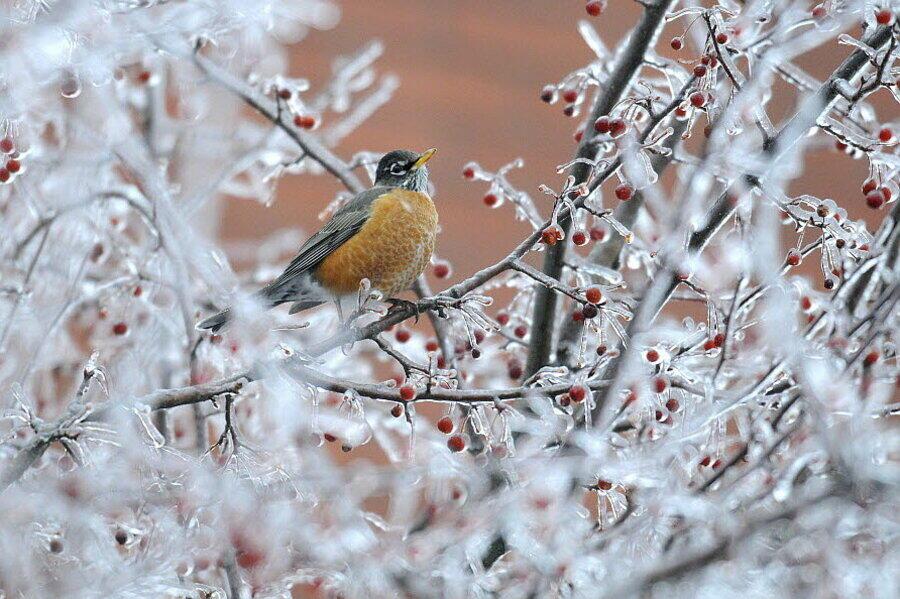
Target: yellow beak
424 158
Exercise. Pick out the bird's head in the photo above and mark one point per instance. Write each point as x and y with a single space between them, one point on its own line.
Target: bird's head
402 168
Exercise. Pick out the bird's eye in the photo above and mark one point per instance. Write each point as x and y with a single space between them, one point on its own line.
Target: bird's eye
398 169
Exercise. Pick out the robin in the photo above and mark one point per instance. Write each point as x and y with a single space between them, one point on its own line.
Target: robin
384 234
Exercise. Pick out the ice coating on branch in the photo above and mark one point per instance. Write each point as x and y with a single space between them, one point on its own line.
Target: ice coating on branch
714 413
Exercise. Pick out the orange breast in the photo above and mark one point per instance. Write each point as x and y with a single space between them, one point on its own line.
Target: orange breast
391 249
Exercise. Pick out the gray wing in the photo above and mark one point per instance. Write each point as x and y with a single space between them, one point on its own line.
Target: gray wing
343 225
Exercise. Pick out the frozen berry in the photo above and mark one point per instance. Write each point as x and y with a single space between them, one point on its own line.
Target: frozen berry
445 425
456 443
624 192
594 8
442 269
120 328
593 295
875 200
407 392
578 393
548 94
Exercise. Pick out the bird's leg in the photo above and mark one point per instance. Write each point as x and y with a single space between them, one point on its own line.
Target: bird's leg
398 304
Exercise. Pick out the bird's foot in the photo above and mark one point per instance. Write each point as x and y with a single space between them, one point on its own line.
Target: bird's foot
398 304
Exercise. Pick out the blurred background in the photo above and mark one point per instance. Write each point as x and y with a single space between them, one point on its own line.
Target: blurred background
470 74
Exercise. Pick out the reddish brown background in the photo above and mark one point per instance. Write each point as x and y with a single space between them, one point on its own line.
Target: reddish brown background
471 72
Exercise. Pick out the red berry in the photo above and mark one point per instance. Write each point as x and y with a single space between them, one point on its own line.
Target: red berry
698 99
407 392
594 8
709 345
479 336
871 358
805 304
793 257
869 186
249 559
503 319
579 238
144 76
660 384
431 345
652 355
329 437
722 38
456 443
6 145
593 295
590 311
397 411
602 125
4 175
677 43
719 340
700 70
551 235
672 405
598 233
570 95
624 192
515 371
705 461
284 94
548 94
577 316
885 135
120 328
886 193
121 537
445 425
469 172
884 16
819 11
604 485
402 335
442 269
569 110
305 122
705 59
875 200
601 349
617 127
13 166
520 331
578 393
828 283
579 135
490 200
717 464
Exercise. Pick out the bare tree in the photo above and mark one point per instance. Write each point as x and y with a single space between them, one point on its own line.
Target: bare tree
592 439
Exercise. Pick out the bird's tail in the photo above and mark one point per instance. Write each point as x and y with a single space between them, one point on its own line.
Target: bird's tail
216 322
299 291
